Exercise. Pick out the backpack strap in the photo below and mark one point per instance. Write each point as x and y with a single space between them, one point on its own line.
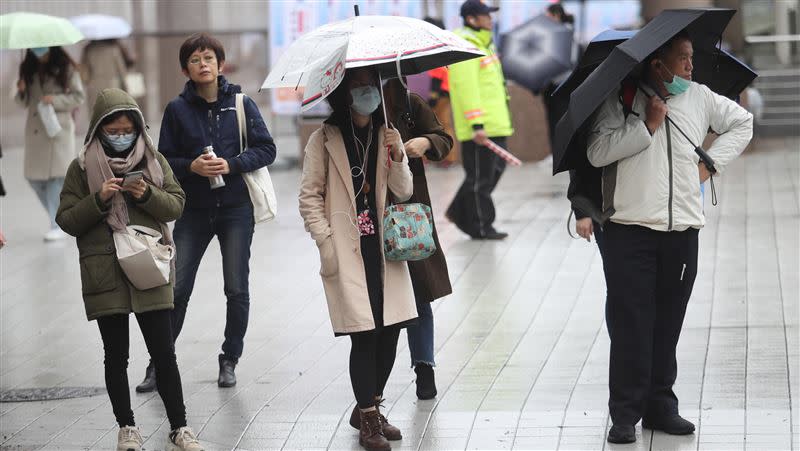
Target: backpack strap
241 118
627 92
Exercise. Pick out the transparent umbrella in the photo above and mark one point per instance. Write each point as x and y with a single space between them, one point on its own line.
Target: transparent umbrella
100 26
391 45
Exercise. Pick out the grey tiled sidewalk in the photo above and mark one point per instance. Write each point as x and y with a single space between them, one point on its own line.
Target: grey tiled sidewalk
522 349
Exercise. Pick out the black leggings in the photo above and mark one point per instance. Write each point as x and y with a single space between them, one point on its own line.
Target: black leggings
157 331
371 361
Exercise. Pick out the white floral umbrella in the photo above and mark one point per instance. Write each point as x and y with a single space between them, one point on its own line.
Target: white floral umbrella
392 45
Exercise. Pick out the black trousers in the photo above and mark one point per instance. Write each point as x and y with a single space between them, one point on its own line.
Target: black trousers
472 210
157 331
371 360
649 277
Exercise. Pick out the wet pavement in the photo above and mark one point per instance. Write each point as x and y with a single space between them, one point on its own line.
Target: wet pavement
521 345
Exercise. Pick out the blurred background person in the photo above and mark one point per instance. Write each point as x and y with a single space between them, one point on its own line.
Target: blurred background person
423 135
480 112
439 101
48 75
104 64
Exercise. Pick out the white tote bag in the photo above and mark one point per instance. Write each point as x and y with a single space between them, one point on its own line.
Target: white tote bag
259 183
144 260
134 84
48 116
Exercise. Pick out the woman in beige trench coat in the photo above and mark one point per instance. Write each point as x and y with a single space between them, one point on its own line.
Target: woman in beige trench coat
49 76
353 166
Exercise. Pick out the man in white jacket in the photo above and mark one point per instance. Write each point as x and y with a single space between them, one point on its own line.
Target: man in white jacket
652 177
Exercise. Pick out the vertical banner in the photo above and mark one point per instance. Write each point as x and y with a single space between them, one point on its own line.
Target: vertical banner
290 20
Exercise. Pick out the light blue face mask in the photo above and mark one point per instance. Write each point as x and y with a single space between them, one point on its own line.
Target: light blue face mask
120 143
40 51
365 99
678 85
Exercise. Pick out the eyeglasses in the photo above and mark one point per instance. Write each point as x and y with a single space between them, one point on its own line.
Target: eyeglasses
118 131
208 59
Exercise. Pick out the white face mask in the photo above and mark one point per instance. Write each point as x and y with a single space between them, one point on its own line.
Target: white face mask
120 143
365 99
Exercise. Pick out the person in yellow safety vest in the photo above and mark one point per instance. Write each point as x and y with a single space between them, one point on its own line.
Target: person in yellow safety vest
480 112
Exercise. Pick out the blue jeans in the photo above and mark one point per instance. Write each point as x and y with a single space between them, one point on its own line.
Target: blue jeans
49 194
233 227
420 336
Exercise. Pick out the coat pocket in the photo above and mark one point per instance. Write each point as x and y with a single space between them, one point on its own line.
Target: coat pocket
327 256
98 273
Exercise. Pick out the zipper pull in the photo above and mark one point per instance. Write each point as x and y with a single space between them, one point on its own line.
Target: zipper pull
683 270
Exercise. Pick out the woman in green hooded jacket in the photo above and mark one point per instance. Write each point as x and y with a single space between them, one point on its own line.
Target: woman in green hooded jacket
94 205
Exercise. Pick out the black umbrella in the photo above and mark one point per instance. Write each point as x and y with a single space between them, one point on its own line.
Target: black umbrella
704 26
720 71
536 51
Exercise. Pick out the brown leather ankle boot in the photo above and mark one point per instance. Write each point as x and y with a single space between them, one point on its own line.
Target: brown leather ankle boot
389 431
371 435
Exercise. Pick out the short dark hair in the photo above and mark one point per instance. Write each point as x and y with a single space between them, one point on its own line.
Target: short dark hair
200 41
661 51
556 9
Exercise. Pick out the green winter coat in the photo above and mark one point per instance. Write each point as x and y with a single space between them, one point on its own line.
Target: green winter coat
478 90
106 290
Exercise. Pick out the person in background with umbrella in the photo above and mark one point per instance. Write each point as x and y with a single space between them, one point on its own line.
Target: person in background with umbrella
48 75
480 112
423 135
95 203
650 178
105 63
354 166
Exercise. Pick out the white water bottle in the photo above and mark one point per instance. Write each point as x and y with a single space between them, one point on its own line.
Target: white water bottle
216 181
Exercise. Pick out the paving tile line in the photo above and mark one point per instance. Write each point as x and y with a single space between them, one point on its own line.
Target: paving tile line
583 365
771 182
444 392
154 397
240 390
550 353
334 344
343 374
204 387
717 219
522 338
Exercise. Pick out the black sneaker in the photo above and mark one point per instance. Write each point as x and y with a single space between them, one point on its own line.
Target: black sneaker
622 433
672 424
491 235
149 382
227 376
426 383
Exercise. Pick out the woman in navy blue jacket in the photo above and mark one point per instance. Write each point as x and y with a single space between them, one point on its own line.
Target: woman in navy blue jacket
205 115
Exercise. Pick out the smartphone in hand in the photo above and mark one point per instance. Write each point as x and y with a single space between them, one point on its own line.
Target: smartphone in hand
131 178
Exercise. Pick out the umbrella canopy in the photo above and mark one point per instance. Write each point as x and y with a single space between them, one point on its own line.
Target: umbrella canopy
100 26
536 52
316 61
704 26
720 71
29 30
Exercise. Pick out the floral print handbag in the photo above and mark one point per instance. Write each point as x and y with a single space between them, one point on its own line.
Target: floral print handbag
408 232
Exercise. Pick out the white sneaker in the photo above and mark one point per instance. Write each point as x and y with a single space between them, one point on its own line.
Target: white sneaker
55 235
183 439
129 439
